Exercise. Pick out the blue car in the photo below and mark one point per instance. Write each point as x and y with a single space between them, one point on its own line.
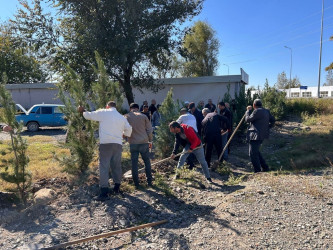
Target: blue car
41 115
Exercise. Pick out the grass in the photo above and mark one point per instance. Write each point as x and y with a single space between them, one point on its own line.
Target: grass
309 149
161 183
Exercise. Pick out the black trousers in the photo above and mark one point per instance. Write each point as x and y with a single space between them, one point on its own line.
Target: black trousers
211 141
257 160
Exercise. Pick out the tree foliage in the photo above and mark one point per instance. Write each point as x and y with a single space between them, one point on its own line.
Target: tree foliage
169 111
284 83
15 168
329 78
15 62
200 48
80 132
274 100
105 89
131 36
330 67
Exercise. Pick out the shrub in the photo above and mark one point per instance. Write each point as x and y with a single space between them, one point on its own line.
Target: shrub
80 132
275 101
310 106
15 168
169 111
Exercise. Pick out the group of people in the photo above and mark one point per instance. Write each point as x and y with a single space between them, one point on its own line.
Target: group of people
197 131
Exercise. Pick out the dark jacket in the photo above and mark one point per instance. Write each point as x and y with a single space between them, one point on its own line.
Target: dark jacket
211 108
226 113
212 125
260 120
186 136
152 109
199 117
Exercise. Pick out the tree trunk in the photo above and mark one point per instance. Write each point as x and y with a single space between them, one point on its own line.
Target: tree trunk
128 88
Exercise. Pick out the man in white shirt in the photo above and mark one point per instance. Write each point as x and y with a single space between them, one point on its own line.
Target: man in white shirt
112 127
188 119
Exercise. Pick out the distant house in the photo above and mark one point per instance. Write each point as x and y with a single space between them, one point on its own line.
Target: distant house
185 89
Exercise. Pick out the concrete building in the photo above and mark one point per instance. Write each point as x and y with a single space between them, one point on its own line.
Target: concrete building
306 92
184 89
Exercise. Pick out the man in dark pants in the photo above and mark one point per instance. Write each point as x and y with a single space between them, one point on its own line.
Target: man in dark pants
213 126
140 141
260 120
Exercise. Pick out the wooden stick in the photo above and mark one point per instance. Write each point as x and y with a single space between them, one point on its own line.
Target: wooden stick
128 174
232 136
105 235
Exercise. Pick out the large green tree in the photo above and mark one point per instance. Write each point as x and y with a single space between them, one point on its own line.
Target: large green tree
16 62
200 48
131 36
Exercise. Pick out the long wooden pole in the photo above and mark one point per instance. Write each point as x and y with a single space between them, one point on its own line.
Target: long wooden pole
105 235
226 146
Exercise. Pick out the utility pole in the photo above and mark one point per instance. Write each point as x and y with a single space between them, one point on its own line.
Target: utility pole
291 67
321 46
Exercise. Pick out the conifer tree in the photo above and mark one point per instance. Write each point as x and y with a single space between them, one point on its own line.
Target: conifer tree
80 132
105 89
15 168
169 111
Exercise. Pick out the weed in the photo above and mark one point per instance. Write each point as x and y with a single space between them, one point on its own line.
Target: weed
235 180
223 169
161 184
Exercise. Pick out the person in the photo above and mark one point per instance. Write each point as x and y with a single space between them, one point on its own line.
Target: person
227 105
6 128
213 126
156 117
145 102
186 103
146 112
201 105
112 127
140 142
197 114
188 119
260 120
226 113
210 105
186 135
233 105
152 108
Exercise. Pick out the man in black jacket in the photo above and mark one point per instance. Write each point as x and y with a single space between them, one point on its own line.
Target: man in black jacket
227 114
260 120
213 126
197 114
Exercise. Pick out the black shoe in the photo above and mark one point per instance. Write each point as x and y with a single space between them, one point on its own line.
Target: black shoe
103 195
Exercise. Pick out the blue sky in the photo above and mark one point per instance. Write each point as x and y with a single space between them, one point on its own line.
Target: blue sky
253 34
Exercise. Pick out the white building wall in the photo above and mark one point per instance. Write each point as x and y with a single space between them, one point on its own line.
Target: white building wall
184 89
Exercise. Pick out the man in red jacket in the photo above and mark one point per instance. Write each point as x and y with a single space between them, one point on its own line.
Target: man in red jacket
187 134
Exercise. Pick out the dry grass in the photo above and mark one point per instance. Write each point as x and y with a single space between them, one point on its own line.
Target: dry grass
310 148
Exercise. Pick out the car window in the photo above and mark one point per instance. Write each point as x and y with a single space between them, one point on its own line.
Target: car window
36 112
57 110
46 110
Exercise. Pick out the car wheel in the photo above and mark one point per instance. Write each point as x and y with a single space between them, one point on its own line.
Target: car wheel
32 126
